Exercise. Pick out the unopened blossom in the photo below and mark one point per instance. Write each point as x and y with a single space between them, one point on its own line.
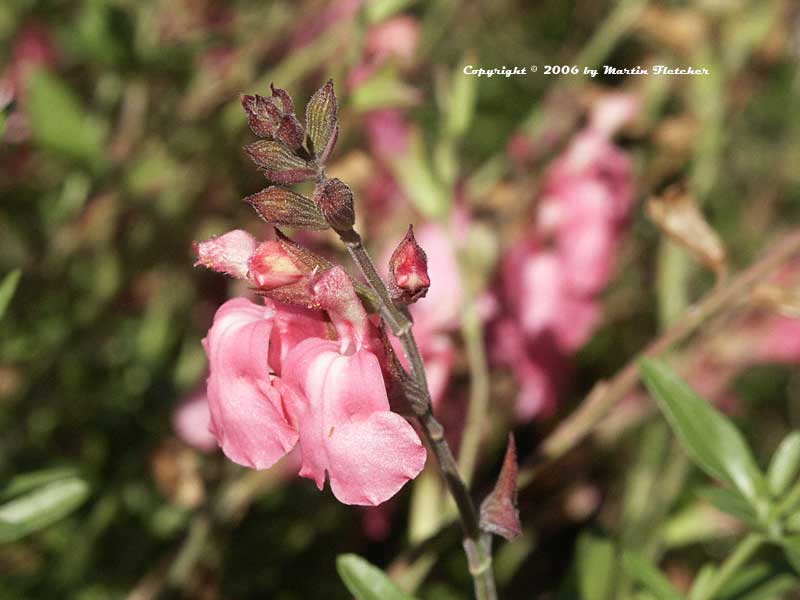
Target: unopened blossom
438 313
228 253
408 270
270 266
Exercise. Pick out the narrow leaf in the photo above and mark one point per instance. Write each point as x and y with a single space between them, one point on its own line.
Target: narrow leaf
284 207
785 464
7 289
596 564
709 438
322 126
730 503
24 482
279 163
41 507
643 572
366 581
499 514
791 549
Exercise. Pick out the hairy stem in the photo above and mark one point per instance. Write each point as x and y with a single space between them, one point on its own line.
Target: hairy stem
476 546
605 394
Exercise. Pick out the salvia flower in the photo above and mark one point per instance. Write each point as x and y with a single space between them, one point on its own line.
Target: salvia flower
329 396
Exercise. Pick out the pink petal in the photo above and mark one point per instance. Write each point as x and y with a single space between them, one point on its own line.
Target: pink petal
290 326
346 427
372 458
247 414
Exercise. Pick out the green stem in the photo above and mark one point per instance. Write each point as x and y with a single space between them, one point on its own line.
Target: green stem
476 546
479 390
740 555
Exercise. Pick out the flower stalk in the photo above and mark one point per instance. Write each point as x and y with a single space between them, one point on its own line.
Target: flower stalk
477 545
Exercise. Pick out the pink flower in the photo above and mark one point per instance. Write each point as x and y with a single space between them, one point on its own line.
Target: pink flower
397 37
276 379
551 280
780 342
191 421
345 425
538 289
248 416
388 133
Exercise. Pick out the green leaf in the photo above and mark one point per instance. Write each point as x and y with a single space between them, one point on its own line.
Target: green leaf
59 122
41 507
791 549
24 482
785 464
462 98
643 572
731 503
775 589
710 439
703 582
595 558
7 289
366 581
758 581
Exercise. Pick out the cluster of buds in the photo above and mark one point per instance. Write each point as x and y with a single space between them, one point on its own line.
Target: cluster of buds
280 268
289 153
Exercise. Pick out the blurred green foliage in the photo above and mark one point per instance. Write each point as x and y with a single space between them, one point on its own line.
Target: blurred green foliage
121 145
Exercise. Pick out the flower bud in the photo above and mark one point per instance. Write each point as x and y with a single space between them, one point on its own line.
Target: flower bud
322 122
499 514
279 163
227 253
408 270
272 267
335 200
274 118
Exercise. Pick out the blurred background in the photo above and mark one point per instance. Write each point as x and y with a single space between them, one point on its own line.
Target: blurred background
122 128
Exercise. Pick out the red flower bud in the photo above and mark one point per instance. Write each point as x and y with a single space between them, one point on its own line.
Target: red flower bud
272 267
335 201
408 270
